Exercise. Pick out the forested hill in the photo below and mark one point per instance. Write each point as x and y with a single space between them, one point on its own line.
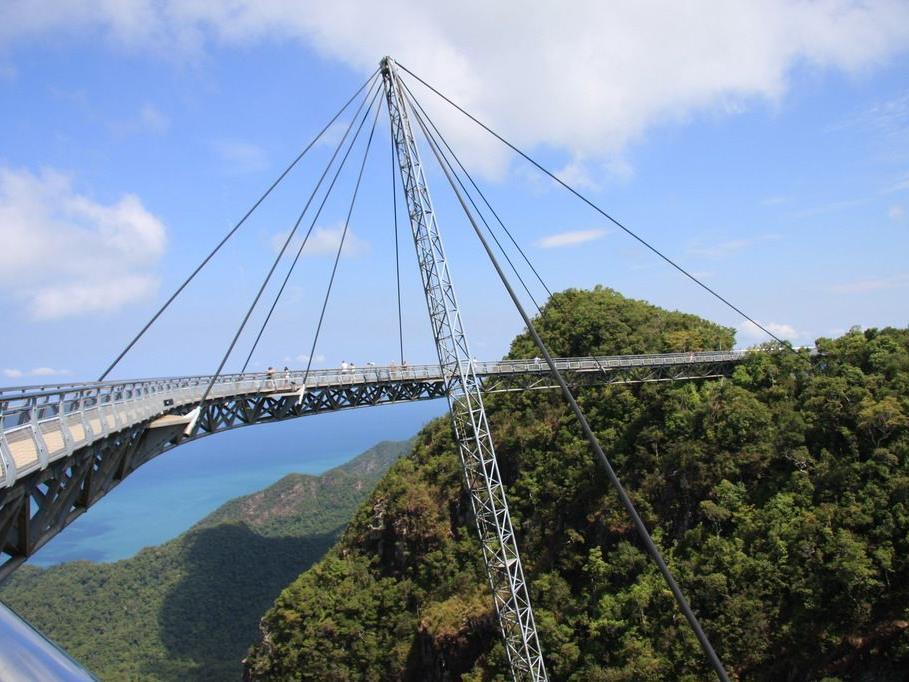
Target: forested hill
780 498
189 609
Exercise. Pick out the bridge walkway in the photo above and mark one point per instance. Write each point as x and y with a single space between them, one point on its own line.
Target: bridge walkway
63 447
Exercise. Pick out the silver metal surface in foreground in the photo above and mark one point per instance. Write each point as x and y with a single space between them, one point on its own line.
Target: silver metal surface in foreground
468 416
26 655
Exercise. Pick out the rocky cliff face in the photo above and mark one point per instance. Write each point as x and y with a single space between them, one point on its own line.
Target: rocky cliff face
780 498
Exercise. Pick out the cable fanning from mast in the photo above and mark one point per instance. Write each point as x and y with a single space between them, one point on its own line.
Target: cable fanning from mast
473 203
415 101
599 210
334 268
312 224
394 208
592 440
232 231
255 301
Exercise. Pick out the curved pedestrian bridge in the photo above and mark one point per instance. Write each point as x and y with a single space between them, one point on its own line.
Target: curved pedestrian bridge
62 447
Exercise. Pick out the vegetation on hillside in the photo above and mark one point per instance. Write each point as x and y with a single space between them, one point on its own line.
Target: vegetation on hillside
189 609
780 498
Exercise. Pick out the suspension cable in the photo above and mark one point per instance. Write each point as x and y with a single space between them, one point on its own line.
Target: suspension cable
552 300
255 301
464 170
599 210
592 440
479 213
312 224
232 231
334 268
394 210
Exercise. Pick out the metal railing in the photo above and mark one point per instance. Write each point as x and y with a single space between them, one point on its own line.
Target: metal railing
42 423
53 400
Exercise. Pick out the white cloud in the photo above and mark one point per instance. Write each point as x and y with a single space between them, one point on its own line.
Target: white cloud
898 186
864 286
577 174
333 135
888 118
71 298
831 207
36 372
720 249
585 79
727 248
589 174
773 201
303 358
751 332
153 119
896 212
149 119
323 241
573 238
64 254
240 157
326 240
47 372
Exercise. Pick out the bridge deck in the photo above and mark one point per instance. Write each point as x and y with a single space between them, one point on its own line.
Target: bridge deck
63 447
42 424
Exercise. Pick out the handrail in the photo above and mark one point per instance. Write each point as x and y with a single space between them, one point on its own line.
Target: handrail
41 424
484 367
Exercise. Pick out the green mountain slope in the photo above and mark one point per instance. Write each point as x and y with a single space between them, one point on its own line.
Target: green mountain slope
189 609
780 498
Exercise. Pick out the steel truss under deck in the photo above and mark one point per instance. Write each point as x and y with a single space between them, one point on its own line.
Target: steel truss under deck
102 444
471 429
41 504
63 448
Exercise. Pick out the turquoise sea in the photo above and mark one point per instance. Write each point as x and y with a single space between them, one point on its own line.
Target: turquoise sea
172 492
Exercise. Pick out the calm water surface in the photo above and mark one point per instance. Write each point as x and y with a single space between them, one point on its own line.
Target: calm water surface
171 493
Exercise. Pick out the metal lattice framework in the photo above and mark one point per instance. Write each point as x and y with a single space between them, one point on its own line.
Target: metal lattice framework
39 505
64 447
468 415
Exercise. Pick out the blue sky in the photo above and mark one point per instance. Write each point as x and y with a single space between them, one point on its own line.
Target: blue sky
765 147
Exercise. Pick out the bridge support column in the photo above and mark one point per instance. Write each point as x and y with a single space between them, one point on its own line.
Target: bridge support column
468 415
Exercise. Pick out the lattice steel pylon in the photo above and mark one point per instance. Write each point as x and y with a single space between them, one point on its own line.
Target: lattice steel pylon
468 415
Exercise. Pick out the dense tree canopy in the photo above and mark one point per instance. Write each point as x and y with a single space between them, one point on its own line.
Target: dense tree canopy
189 609
780 497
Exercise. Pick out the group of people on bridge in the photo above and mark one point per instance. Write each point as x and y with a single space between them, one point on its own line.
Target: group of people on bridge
345 368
